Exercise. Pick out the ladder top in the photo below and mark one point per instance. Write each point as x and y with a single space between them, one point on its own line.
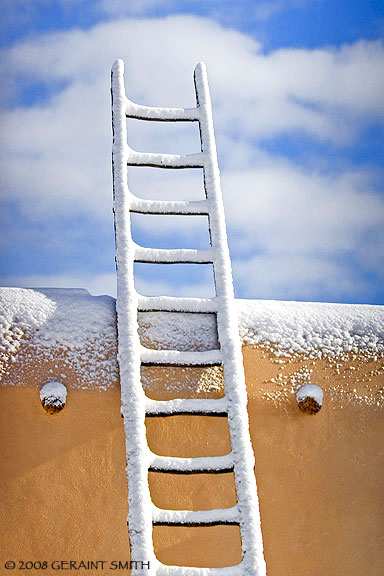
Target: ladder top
140 112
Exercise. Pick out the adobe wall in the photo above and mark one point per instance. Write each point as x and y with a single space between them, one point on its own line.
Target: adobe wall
63 488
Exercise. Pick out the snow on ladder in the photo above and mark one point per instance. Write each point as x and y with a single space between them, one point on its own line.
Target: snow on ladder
143 514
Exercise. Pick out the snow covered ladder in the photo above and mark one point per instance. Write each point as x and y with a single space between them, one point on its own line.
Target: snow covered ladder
143 514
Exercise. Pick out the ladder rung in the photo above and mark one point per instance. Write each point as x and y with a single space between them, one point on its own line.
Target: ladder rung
196 517
165 160
140 112
181 358
213 464
238 570
173 256
171 304
142 206
207 406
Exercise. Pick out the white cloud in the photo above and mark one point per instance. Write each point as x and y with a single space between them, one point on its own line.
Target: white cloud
267 10
119 8
56 155
96 284
296 233
101 284
154 288
222 10
59 152
281 208
292 276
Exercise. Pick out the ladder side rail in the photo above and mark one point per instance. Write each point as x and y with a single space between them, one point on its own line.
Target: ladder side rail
132 393
227 325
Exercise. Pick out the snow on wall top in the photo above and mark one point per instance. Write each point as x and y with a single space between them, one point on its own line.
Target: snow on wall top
80 329
312 328
69 326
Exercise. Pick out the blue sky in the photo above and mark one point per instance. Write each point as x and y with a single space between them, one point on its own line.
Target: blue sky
297 89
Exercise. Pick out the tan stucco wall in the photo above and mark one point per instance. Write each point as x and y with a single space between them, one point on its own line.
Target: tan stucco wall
63 485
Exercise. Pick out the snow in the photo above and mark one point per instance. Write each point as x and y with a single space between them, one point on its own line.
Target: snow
202 463
219 515
287 328
50 320
165 160
64 325
53 392
177 255
209 357
134 110
169 206
171 330
312 329
174 304
21 311
310 391
186 406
